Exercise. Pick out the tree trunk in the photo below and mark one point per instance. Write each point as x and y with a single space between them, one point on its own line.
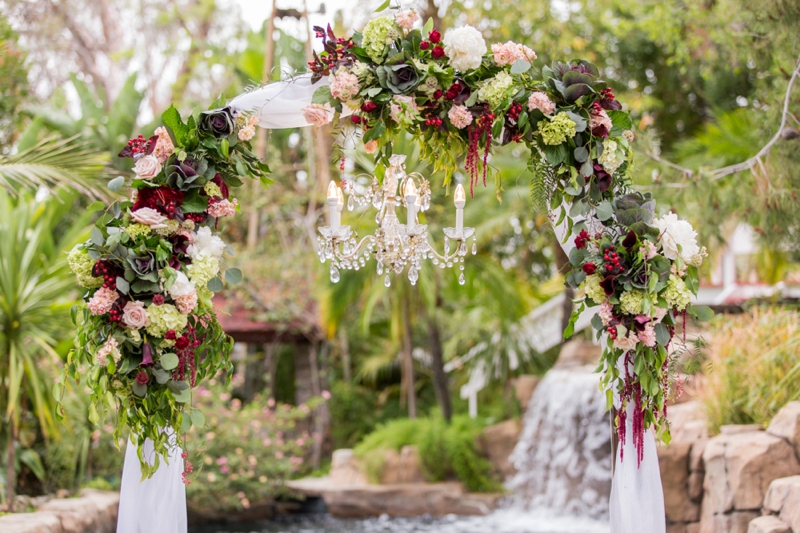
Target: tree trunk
439 375
431 11
408 359
11 481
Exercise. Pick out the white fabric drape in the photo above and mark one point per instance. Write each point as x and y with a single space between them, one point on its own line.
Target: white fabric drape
155 505
280 104
636 504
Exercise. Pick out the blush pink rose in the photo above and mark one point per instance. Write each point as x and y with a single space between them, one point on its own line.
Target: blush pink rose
149 217
134 315
371 146
316 114
147 167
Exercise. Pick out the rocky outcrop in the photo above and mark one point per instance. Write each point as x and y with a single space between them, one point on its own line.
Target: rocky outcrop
783 501
768 524
403 499
740 464
786 425
524 386
673 461
345 469
403 467
93 512
497 443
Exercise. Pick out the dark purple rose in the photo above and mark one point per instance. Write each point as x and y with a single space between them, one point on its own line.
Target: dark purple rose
458 93
217 122
147 358
142 378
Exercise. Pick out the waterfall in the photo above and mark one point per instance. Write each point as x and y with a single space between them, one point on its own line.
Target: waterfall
563 457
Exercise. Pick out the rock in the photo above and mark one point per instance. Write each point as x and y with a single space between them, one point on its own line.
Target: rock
783 499
786 424
673 460
345 469
676 528
524 387
687 421
736 429
768 524
410 466
498 441
693 528
696 456
578 353
31 523
735 522
739 468
696 486
391 468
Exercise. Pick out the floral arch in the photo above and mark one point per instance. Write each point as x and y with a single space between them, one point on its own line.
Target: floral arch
148 333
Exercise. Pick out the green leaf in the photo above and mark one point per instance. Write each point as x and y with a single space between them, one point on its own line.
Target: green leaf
214 284
95 206
183 396
122 285
621 121
116 184
383 6
186 423
322 95
604 211
556 154
172 120
520 66
233 276
581 154
428 26
194 203
225 146
169 361
198 420
96 237
703 313
662 334
139 390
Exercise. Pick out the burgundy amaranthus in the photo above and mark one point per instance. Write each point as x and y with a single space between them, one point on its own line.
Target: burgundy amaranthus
481 125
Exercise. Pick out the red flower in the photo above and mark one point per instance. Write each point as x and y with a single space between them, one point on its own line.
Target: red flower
142 378
369 106
438 94
355 119
589 268
163 199
435 37
223 187
182 342
581 239
158 299
424 45
438 52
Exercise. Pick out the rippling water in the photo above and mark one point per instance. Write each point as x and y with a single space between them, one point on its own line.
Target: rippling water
502 521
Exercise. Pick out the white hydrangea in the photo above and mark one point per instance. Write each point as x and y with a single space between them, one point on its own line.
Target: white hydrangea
465 47
678 237
609 159
205 241
181 287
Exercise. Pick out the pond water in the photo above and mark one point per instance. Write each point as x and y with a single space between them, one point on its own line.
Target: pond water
502 521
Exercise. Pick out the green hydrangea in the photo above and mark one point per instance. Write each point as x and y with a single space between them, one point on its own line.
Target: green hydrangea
203 268
495 90
557 130
172 227
212 189
592 288
81 265
378 33
137 230
631 302
677 294
609 159
164 318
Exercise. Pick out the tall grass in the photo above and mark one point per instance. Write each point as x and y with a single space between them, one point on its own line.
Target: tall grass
754 367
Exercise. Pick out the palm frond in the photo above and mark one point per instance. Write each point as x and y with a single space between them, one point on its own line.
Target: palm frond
52 164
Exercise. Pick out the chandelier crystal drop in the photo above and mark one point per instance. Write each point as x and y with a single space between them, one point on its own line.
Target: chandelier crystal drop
394 244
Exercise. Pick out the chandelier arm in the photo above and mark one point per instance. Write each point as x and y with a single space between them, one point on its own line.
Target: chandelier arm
355 251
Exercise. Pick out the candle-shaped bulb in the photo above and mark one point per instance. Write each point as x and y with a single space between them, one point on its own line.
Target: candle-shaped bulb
339 196
332 188
410 190
459 198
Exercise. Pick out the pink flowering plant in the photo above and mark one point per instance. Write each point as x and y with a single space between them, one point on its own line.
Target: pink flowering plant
642 272
247 451
147 333
452 90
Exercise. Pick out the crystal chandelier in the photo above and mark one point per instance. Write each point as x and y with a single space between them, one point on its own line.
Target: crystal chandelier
394 244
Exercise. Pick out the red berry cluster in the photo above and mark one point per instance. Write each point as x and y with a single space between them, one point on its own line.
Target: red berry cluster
596 108
612 261
187 468
336 52
612 332
514 111
108 272
115 314
139 145
581 240
434 121
341 164
607 93
197 217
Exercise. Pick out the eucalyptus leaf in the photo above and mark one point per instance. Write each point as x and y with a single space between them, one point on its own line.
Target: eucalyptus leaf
215 284
198 420
169 361
116 184
233 276
520 66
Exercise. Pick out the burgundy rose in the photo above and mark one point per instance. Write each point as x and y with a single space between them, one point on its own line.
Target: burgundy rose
182 342
170 335
438 94
158 299
435 37
369 106
147 358
355 119
437 52
142 378
458 92
163 199
581 239
424 45
589 268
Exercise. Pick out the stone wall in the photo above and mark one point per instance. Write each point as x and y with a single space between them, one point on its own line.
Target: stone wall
93 512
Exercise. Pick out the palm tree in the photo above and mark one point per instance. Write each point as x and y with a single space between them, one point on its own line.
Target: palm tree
36 292
50 164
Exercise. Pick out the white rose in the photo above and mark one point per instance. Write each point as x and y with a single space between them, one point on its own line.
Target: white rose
147 167
678 238
181 287
205 241
465 47
149 217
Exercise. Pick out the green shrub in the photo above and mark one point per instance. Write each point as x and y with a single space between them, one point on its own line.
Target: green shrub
754 367
446 451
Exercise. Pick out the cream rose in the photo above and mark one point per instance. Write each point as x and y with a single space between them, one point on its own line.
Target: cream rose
134 315
147 167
